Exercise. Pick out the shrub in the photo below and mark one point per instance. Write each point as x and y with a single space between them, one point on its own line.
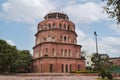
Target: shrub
109 75
102 73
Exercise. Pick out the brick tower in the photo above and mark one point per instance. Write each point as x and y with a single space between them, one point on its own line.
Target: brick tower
56 48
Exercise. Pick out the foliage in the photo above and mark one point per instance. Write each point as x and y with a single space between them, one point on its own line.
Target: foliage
7 53
96 61
109 75
113 9
88 68
102 73
12 58
106 73
23 58
100 61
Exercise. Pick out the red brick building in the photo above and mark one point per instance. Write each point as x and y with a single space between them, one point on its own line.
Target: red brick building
56 48
115 61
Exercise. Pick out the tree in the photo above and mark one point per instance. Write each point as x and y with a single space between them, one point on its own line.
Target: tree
109 75
23 61
11 59
96 61
7 55
102 73
113 9
100 61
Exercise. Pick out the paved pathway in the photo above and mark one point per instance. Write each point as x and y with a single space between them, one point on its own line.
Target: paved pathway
2 77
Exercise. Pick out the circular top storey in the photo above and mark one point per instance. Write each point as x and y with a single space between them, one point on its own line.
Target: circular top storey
56 15
56 20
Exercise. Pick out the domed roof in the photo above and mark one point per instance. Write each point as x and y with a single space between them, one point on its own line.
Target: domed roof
56 15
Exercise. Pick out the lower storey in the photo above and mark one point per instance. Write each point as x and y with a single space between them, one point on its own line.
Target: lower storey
51 65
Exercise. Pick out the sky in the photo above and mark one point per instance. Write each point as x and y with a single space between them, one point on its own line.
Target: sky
19 20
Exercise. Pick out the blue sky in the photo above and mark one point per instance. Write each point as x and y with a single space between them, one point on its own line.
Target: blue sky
19 19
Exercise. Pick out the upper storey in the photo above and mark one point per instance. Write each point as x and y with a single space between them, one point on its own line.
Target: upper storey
56 27
56 20
56 15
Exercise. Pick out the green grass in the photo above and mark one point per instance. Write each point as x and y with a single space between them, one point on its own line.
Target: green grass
102 79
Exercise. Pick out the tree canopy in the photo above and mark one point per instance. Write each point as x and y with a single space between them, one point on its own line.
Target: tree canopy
100 61
10 56
113 9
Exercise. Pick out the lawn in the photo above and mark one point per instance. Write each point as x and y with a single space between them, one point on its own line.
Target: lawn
102 79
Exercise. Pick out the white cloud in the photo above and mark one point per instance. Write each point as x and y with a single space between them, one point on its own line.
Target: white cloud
87 43
26 10
10 42
32 10
109 45
116 28
85 13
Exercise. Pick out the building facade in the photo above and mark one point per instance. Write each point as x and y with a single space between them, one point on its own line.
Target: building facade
56 48
115 61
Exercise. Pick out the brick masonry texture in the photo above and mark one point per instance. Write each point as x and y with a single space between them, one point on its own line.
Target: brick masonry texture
56 49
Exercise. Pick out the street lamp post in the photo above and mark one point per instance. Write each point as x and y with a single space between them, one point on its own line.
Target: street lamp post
97 57
96 42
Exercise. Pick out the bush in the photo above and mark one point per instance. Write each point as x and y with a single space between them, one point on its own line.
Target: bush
102 73
109 75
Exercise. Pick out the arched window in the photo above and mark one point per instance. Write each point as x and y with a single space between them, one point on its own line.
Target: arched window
49 38
49 26
61 38
46 51
53 39
68 27
66 68
68 39
64 26
64 38
69 53
62 67
51 67
53 52
65 53
44 39
62 53
60 26
53 26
